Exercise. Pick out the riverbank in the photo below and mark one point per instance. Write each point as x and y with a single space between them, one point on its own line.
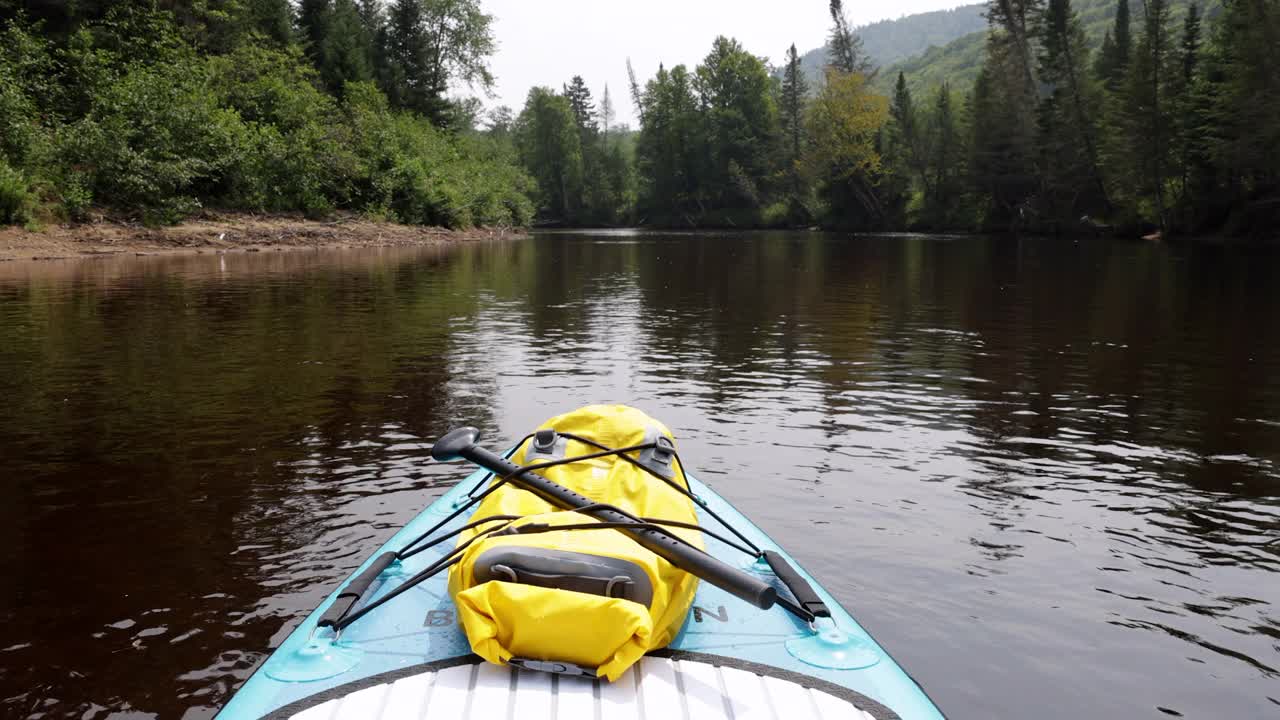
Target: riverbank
227 232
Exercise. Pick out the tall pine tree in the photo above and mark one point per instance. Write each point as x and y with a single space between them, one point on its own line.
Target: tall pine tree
844 47
1071 176
794 90
946 162
1113 57
1145 117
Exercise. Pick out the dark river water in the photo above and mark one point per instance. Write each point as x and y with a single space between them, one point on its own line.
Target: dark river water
1046 475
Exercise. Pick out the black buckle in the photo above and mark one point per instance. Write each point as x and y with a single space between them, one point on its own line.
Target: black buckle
554 667
544 441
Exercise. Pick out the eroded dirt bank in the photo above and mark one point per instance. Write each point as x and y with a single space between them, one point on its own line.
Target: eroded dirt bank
226 233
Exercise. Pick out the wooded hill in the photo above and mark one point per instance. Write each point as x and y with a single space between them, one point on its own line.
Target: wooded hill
957 62
891 41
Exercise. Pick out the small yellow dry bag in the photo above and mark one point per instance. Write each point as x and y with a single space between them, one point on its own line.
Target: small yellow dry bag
579 598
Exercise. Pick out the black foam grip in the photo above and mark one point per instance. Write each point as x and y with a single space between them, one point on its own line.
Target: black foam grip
355 589
690 559
798 586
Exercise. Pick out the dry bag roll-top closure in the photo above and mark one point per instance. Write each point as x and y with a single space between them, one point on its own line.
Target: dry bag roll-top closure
583 599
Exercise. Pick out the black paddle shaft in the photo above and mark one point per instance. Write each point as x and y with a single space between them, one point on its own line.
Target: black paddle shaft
462 444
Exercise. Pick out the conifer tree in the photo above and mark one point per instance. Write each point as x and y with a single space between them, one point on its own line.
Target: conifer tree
946 161
1246 111
906 156
1113 56
794 90
1189 121
844 47
1004 144
1123 35
606 114
1071 175
1146 113
272 18
313 26
584 111
346 48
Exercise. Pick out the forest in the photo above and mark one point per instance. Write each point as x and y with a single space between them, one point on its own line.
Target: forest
1171 128
159 109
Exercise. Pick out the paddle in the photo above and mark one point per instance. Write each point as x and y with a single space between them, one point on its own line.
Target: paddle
461 443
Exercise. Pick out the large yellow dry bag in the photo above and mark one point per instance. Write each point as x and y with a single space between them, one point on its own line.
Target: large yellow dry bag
589 597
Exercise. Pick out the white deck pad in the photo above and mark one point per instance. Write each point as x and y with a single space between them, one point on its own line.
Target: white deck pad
656 689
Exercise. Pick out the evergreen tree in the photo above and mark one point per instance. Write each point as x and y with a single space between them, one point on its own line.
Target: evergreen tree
431 43
407 46
313 26
1113 56
584 111
373 21
346 48
1071 176
1122 36
1189 116
637 94
1145 116
1245 115
844 47
906 156
1103 65
272 18
1190 47
946 162
1004 144
1011 30
794 91
606 114
1001 167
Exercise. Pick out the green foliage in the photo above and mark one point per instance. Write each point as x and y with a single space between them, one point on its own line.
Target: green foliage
1071 177
792 100
1141 143
740 121
549 144
126 108
16 201
156 139
430 43
412 171
844 123
1113 57
670 149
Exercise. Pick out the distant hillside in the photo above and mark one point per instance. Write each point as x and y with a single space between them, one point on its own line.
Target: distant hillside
959 60
890 41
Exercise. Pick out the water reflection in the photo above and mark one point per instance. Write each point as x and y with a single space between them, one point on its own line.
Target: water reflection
1044 474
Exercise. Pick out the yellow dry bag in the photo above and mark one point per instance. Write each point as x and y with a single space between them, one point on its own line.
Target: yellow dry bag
564 594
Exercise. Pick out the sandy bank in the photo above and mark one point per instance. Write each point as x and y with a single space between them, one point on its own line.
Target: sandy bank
226 233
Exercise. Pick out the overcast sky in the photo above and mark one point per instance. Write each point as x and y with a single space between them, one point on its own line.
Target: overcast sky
547 42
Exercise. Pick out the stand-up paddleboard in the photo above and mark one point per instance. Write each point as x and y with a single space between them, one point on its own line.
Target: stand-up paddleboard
761 639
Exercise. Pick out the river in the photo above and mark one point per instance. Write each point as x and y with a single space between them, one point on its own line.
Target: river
1044 474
